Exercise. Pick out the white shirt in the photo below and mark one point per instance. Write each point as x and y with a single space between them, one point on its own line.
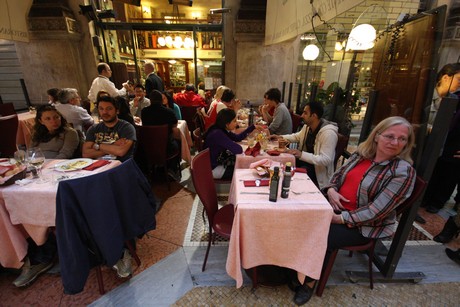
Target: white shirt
136 111
101 83
75 115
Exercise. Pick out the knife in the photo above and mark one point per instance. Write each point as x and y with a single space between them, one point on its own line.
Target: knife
258 193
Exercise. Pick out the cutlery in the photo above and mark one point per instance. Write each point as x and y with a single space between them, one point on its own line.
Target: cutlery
298 193
258 193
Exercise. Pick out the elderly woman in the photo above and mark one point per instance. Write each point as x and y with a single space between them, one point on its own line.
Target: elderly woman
366 191
53 135
222 143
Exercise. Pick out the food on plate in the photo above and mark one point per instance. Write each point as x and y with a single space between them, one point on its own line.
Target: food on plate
6 171
78 164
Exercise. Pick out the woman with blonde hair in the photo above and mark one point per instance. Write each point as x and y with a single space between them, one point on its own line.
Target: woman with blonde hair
366 191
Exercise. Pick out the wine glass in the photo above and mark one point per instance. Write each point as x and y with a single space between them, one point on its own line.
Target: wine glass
36 159
20 157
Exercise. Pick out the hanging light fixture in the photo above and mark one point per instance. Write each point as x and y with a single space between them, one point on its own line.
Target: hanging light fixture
188 42
177 42
310 53
161 41
361 37
169 41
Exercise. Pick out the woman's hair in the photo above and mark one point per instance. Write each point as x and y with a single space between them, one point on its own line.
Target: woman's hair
170 99
223 118
53 92
227 95
123 110
448 69
368 148
219 91
41 133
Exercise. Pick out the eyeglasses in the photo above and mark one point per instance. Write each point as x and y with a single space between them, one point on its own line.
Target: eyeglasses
391 138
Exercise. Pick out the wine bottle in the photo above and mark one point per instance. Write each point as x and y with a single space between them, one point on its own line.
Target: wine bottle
287 176
274 183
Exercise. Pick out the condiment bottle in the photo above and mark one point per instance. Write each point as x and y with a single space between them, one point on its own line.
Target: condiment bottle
274 183
286 180
251 115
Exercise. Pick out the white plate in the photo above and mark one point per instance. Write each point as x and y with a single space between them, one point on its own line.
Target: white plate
73 165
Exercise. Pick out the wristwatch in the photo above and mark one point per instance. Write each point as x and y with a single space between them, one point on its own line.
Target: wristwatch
96 146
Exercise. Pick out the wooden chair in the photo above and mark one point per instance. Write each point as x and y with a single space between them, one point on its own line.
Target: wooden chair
296 121
369 247
9 127
152 147
220 220
198 139
341 148
188 114
7 109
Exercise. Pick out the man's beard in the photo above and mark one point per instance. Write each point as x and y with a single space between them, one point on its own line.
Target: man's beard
110 120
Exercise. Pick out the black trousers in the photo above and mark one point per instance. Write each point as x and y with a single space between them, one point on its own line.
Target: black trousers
445 177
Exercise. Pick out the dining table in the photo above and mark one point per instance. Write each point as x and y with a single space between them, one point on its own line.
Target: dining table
186 140
291 232
244 160
26 123
28 209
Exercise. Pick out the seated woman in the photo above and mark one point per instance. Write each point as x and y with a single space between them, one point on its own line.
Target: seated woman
222 143
366 191
168 102
53 135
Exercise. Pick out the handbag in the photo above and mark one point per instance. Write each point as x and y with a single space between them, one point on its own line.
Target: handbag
226 158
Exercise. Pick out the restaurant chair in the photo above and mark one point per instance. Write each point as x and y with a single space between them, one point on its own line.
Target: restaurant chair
188 114
296 121
199 120
220 220
369 247
96 217
341 149
9 128
152 148
198 139
7 109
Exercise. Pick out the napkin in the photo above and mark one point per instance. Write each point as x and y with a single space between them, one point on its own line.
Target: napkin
252 183
97 164
253 151
299 170
263 162
273 152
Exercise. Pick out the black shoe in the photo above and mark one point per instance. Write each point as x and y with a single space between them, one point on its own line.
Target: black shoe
432 209
453 255
448 232
293 283
420 219
303 295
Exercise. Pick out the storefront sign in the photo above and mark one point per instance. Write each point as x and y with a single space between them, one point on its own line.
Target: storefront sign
287 19
13 19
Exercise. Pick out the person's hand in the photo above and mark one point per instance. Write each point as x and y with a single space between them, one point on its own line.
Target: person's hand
297 153
275 137
135 102
335 199
137 120
457 155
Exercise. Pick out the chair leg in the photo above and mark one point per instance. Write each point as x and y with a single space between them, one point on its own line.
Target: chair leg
371 260
133 252
254 278
207 250
100 281
326 271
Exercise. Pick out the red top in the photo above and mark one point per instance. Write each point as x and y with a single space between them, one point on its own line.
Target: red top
351 183
189 98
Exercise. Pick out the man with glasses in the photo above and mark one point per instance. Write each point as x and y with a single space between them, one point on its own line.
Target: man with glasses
316 144
69 106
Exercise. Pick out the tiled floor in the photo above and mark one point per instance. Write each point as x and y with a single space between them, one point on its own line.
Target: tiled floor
171 270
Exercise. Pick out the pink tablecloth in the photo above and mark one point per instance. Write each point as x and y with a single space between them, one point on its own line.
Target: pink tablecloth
243 161
29 211
186 141
25 127
290 233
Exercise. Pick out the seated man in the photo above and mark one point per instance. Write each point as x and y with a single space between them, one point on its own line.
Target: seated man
69 106
189 98
157 114
282 121
112 136
317 141
139 102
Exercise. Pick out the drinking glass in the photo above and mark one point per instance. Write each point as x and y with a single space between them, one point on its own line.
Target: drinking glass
37 159
20 157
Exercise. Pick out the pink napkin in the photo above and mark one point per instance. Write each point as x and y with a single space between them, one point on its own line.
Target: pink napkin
97 164
263 162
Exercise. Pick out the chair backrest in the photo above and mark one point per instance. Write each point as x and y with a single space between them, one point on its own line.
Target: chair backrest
188 113
8 128
342 143
7 109
204 183
296 121
152 143
198 139
419 186
199 120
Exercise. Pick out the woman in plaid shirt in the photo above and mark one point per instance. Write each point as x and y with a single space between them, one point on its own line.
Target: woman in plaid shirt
365 191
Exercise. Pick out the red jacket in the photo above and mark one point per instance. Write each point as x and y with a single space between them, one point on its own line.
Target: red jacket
189 98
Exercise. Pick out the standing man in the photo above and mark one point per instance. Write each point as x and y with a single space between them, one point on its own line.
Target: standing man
113 136
282 121
317 141
102 83
153 81
69 106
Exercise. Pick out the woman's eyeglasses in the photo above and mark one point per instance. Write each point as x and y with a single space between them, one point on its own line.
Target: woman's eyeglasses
391 138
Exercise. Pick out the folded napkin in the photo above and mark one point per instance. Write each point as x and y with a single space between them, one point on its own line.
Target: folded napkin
299 170
97 164
273 152
256 183
253 151
263 162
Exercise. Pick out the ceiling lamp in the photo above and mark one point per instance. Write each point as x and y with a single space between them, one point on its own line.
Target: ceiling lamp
310 53
188 42
169 41
362 37
178 42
